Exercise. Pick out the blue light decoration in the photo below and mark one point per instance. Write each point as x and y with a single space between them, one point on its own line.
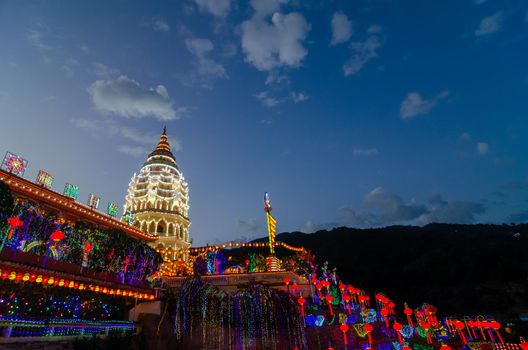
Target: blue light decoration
407 331
14 164
93 201
44 179
369 315
310 320
352 318
396 345
71 191
129 217
112 209
320 320
384 346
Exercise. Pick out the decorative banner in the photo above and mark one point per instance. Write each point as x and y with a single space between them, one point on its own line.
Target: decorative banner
129 217
112 209
14 164
71 191
44 179
93 201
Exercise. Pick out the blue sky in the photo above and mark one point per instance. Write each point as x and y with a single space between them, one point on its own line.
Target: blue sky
358 113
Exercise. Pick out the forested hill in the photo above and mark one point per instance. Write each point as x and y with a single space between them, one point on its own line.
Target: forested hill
461 269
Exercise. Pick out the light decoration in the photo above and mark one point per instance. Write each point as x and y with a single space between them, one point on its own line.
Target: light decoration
44 179
129 217
50 279
272 223
111 209
71 191
14 164
93 201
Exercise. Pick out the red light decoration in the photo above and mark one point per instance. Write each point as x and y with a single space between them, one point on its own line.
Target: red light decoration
344 329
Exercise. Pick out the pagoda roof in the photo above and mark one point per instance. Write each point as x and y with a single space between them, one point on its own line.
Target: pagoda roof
162 153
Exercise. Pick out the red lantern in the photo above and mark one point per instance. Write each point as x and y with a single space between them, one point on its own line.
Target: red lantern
445 347
385 313
13 222
398 327
56 237
496 326
369 328
344 329
524 345
346 298
287 280
406 348
460 326
295 287
408 312
329 299
301 302
426 326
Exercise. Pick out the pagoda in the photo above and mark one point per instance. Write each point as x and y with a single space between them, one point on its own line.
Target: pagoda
158 197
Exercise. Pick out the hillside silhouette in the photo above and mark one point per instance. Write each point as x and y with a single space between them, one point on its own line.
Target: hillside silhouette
461 269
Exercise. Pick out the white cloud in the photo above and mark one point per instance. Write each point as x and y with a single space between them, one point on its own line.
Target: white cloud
134 151
161 26
218 8
266 99
414 105
36 38
103 71
490 24
206 69
298 96
276 44
127 98
276 79
363 51
365 152
341 28
482 148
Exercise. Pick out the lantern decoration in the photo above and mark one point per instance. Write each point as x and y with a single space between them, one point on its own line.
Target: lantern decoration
329 300
496 326
426 327
445 347
301 302
406 348
369 328
295 287
56 237
87 249
13 222
385 313
408 312
524 344
287 281
398 327
346 299
460 326
344 329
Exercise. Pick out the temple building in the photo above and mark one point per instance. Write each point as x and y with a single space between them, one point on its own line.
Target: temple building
158 196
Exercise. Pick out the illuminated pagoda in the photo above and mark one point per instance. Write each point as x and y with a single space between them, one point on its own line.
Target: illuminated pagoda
158 199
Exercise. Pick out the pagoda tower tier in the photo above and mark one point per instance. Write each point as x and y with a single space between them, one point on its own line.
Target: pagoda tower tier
158 196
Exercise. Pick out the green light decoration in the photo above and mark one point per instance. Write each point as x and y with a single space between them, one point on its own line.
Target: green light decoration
421 331
71 191
112 209
129 217
44 179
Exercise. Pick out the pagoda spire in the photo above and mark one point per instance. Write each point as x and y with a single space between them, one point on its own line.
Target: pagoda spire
162 151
